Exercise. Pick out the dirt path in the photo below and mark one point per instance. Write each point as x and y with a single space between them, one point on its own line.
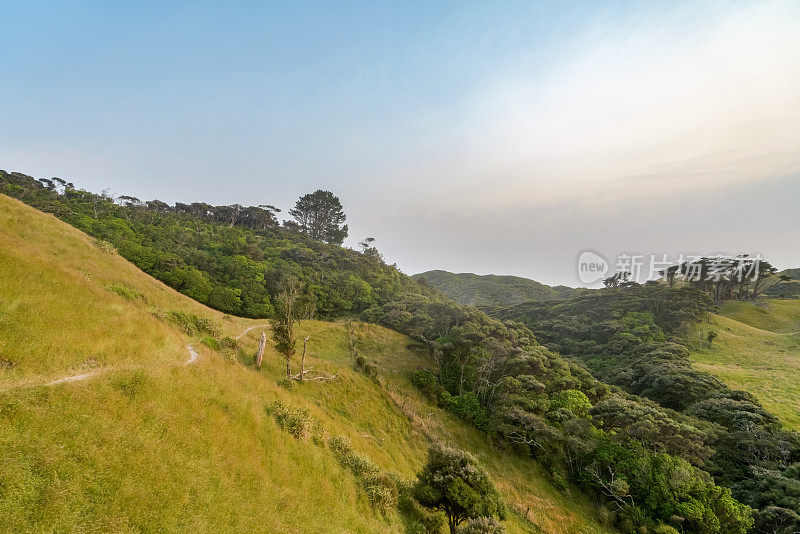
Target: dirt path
246 330
73 378
193 356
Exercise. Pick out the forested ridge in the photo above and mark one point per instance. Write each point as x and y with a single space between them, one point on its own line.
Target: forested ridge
634 337
227 257
656 464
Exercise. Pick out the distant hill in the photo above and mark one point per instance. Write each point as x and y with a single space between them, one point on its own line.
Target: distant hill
491 289
794 274
788 289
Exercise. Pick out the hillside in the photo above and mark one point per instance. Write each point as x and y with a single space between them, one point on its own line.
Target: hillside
230 258
785 288
491 290
757 349
726 401
531 404
153 441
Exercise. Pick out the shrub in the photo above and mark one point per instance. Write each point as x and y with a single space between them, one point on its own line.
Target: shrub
228 342
468 408
204 324
295 420
286 383
126 292
339 444
191 324
427 382
452 481
381 491
211 343
380 487
366 367
416 519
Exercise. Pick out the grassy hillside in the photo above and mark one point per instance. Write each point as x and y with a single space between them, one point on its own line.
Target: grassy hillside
491 290
150 444
757 350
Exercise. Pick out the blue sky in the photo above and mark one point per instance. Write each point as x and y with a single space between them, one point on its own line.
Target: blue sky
499 137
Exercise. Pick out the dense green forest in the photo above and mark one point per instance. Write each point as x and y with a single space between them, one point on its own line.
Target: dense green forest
633 337
490 290
665 461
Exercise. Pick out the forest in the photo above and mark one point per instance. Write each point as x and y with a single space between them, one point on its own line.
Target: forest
597 387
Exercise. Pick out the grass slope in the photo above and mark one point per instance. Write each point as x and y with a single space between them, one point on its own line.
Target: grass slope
491 290
149 444
758 350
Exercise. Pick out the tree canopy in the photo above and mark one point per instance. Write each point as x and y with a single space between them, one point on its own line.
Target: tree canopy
319 215
453 482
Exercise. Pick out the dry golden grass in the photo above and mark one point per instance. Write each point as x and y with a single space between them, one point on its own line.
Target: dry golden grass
57 313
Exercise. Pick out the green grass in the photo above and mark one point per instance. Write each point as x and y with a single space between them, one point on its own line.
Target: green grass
781 316
757 350
149 444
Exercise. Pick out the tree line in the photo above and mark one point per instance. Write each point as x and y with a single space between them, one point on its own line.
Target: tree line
634 337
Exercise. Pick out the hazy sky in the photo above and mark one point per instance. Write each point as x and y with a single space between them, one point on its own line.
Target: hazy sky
491 137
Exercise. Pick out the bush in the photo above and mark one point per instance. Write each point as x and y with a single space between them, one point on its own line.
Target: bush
380 487
381 491
416 519
286 384
712 335
366 367
339 444
427 382
126 292
204 324
468 408
211 343
295 420
228 342
191 324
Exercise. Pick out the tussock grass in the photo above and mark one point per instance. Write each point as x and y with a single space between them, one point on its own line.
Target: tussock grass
758 350
66 306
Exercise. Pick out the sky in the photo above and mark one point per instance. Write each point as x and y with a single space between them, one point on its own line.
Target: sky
491 137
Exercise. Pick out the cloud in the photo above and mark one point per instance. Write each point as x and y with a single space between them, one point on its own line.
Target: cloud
652 136
662 107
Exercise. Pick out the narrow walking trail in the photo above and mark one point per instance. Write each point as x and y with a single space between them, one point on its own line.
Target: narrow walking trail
193 357
246 330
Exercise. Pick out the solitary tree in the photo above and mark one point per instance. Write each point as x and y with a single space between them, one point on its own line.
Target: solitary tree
291 305
453 482
319 215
